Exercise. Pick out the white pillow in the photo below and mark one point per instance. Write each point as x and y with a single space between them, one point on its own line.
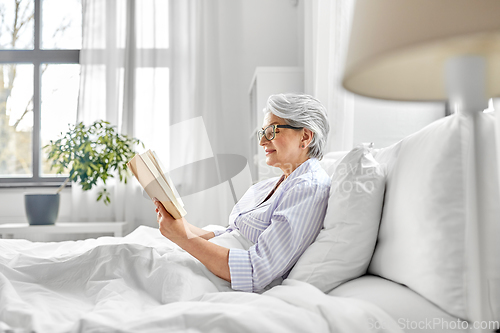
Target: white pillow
422 238
330 161
343 249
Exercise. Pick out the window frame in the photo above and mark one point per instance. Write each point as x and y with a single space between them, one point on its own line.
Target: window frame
37 57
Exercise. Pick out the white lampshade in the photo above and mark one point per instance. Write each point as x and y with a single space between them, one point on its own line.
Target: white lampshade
398 48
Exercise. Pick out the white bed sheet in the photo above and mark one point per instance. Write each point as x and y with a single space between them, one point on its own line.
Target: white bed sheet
145 283
412 312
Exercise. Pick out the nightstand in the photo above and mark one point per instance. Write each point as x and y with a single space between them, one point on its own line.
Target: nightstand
10 230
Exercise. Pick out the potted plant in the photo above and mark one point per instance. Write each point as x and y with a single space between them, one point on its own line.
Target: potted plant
90 153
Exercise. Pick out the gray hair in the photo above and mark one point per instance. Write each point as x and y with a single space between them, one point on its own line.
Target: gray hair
302 111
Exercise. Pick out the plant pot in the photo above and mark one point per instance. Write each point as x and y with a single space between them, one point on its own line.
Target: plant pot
41 209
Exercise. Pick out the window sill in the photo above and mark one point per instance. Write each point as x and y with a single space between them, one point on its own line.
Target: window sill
33 185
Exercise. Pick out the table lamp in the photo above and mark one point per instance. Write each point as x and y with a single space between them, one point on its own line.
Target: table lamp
431 50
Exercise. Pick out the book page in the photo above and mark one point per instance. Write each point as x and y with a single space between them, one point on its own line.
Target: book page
153 159
167 177
152 187
161 181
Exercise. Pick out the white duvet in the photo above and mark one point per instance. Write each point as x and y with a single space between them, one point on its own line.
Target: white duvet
145 283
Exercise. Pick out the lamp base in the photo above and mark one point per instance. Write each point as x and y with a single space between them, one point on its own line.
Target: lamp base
465 78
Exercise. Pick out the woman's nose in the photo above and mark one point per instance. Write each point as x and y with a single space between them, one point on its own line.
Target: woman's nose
263 141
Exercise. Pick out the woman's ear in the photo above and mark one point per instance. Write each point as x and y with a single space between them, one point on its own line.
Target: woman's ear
307 136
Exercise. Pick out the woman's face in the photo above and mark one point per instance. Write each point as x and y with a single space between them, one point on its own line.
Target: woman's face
285 151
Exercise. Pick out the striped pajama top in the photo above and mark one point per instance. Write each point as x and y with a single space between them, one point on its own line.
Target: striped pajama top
281 228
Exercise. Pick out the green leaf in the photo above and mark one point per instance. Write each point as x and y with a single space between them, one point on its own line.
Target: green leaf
92 153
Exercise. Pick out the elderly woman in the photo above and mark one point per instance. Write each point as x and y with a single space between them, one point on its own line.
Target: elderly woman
278 218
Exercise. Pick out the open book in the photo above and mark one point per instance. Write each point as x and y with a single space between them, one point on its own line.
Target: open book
147 169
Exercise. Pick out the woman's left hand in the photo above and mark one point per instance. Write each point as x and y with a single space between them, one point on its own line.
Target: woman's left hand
175 230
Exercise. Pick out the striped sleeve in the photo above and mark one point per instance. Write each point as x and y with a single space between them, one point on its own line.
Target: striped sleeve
295 223
240 269
220 232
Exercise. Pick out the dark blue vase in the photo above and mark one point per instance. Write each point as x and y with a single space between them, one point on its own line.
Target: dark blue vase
41 209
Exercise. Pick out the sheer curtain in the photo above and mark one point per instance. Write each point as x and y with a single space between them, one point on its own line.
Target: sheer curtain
124 80
197 119
150 67
327 28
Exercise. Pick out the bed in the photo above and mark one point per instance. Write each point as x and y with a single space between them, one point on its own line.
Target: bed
144 283
390 258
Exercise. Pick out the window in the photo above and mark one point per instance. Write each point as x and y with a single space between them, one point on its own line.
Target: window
40 43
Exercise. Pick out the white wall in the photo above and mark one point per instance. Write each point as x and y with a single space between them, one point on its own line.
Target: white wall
253 33
386 122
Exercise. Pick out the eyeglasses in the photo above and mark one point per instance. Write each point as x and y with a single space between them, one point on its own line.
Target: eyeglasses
270 131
